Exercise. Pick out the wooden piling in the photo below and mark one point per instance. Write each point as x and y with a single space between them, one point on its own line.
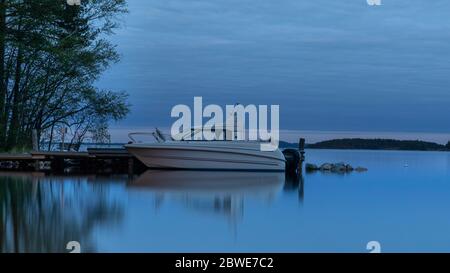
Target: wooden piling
36 165
301 149
35 140
35 143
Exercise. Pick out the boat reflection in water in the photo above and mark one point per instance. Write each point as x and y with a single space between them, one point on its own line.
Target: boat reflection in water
295 182
219 192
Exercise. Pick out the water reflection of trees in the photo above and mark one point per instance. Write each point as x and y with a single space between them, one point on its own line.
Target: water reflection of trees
42 214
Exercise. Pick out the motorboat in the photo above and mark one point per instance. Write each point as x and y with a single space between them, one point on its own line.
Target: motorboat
167 153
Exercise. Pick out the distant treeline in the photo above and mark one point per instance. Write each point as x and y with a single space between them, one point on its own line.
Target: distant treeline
379 144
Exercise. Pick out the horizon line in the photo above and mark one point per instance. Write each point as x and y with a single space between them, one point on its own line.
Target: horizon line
120 134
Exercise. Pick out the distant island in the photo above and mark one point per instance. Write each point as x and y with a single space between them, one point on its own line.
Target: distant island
373 144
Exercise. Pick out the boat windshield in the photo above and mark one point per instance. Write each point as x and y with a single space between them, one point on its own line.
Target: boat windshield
221 134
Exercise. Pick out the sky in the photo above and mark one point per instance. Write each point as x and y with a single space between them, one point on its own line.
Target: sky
332 66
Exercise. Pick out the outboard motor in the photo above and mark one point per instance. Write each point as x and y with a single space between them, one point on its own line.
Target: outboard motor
292 157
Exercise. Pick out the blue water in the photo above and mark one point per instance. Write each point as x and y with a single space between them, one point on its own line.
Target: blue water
402 201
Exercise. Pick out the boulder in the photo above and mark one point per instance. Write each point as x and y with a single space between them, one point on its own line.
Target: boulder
339 167
311 167
326 167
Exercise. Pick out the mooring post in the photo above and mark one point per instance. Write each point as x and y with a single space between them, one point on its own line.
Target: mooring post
35 140
301 149
36 166
35 143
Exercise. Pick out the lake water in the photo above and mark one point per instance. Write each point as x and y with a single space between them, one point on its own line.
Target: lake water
403 202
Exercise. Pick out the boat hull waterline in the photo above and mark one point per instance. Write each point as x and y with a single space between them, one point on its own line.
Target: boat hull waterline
202 155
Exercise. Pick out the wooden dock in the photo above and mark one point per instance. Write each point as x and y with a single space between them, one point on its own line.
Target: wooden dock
111 160
115 160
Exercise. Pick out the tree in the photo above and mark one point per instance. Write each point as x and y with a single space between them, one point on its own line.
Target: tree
51 55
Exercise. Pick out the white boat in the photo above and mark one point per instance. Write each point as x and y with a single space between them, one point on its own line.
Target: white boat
206 155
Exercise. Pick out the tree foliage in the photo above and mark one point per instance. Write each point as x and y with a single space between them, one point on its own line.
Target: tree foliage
51 55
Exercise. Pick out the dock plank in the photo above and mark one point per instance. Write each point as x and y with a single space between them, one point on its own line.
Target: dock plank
117 158
61 155
109 153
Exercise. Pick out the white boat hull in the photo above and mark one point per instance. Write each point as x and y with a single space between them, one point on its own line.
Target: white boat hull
208 155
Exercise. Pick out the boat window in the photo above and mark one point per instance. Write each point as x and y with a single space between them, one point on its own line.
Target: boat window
220 134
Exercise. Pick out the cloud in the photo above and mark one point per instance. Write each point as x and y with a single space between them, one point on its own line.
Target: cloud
365 68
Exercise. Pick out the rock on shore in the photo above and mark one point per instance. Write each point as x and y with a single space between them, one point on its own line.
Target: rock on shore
340 167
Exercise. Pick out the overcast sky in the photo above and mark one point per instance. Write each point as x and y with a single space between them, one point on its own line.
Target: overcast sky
330 65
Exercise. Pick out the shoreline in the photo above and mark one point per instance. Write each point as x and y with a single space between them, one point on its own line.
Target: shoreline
374 145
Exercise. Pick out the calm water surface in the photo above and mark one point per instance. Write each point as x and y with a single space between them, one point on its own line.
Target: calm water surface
403 202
